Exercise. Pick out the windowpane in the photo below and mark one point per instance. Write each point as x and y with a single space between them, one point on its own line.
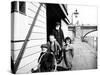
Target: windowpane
22 7
14 6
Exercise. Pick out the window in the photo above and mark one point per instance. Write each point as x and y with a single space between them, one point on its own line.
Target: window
22 7
14 6
18 7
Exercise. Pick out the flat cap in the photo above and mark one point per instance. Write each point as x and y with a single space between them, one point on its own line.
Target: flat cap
44 46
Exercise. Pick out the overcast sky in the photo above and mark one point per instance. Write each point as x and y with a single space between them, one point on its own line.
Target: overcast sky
87 14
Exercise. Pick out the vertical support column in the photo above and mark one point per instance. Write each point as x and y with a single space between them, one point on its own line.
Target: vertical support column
78 32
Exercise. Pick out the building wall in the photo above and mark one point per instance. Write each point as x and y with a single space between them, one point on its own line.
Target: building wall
38 36
65 30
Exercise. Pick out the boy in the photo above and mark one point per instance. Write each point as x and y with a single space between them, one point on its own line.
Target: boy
47 62
55 48
58 33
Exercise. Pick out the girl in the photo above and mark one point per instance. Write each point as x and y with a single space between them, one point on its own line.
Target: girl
68 52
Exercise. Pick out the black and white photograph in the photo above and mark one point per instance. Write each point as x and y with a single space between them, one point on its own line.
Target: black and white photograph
53 37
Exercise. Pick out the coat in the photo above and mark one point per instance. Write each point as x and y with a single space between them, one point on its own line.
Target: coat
59 36
54 48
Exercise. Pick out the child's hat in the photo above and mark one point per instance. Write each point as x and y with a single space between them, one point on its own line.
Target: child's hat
44 46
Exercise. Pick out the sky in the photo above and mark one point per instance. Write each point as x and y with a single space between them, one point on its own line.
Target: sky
87 14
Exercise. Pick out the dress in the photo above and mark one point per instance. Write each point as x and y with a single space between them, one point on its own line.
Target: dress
68 55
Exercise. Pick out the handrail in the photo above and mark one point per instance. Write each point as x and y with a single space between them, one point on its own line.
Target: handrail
25 43
16 41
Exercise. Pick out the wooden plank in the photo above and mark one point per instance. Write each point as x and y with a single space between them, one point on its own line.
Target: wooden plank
25 43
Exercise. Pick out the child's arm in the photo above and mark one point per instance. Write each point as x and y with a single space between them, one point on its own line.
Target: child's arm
68 47
58 45
39 57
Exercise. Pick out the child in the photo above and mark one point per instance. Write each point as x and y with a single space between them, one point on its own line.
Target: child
68 52
58 33
53 46
47 62
44 48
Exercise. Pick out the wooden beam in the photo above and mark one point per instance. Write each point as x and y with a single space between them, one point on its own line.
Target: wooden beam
20 55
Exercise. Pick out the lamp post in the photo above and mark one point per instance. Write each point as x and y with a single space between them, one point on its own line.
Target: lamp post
76 15
78 31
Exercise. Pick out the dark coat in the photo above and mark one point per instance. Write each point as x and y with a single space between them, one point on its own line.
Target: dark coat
58 35
54 48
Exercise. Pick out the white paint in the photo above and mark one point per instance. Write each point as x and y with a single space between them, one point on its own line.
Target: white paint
21 28
67 33
87 14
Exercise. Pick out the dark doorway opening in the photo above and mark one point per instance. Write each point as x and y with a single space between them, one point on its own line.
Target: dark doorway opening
54 14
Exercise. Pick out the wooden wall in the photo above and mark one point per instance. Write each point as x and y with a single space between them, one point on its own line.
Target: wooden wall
38 36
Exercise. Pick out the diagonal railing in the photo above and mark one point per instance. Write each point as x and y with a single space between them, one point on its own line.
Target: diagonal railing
20 55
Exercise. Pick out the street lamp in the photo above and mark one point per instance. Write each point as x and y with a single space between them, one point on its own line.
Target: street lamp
76 15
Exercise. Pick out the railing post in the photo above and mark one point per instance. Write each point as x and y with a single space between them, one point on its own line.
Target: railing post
20 55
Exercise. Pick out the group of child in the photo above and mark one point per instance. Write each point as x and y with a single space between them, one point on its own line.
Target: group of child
52 54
